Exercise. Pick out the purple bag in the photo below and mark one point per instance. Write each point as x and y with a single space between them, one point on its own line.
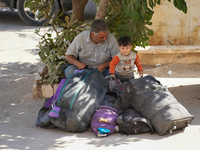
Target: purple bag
104 121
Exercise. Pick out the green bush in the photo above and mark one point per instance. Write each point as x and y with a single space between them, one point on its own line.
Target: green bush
54 43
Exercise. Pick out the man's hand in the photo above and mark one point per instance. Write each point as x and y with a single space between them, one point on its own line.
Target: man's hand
81 66
72 60
100 67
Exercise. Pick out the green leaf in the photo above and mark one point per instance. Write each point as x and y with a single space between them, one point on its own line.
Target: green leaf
59 64
42 55
134 14
184 7
154 3
181 5
144 8
150 32
151 3
60 14
149 23
148 15
137 5
49 35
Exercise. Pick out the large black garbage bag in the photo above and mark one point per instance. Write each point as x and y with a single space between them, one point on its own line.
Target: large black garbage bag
156 103
78 100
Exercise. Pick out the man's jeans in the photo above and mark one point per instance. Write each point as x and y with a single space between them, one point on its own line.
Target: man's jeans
70 70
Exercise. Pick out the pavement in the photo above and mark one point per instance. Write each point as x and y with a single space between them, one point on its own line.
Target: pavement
18 109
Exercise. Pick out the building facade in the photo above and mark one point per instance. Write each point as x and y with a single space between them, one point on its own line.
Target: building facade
172 26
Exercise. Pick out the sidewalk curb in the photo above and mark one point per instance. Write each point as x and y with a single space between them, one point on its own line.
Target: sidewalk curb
44 90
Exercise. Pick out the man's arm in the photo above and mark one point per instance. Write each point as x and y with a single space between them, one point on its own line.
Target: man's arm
102 66
72 60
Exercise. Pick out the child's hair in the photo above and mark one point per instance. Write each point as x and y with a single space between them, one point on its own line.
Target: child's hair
124 41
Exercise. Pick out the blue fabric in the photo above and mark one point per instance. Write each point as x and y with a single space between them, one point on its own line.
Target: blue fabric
103 130
106 72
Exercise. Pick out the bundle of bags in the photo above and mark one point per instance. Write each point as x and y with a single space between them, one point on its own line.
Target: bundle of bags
85 100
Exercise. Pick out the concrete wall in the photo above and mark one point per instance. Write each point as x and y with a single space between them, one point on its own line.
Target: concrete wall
182 54
171 24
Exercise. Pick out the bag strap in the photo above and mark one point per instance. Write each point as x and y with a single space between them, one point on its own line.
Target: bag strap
63 88
55 111
48 103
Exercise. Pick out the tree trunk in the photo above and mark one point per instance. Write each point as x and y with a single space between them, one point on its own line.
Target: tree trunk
78 8
101 12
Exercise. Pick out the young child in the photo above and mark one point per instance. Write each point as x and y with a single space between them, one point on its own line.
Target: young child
123 63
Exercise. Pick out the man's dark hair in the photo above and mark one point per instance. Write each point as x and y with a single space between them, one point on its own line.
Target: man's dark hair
124 41
99 25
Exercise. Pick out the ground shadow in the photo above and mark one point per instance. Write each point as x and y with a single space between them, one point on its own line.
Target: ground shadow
189 97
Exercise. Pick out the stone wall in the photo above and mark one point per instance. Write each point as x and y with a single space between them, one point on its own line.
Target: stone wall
171 24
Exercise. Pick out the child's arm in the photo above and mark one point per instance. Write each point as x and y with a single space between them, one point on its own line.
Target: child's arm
113 64
139 65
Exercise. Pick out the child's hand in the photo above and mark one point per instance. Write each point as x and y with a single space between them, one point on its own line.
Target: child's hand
141 73
112 75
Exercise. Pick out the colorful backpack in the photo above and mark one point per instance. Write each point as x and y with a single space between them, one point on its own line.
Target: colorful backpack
104 121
